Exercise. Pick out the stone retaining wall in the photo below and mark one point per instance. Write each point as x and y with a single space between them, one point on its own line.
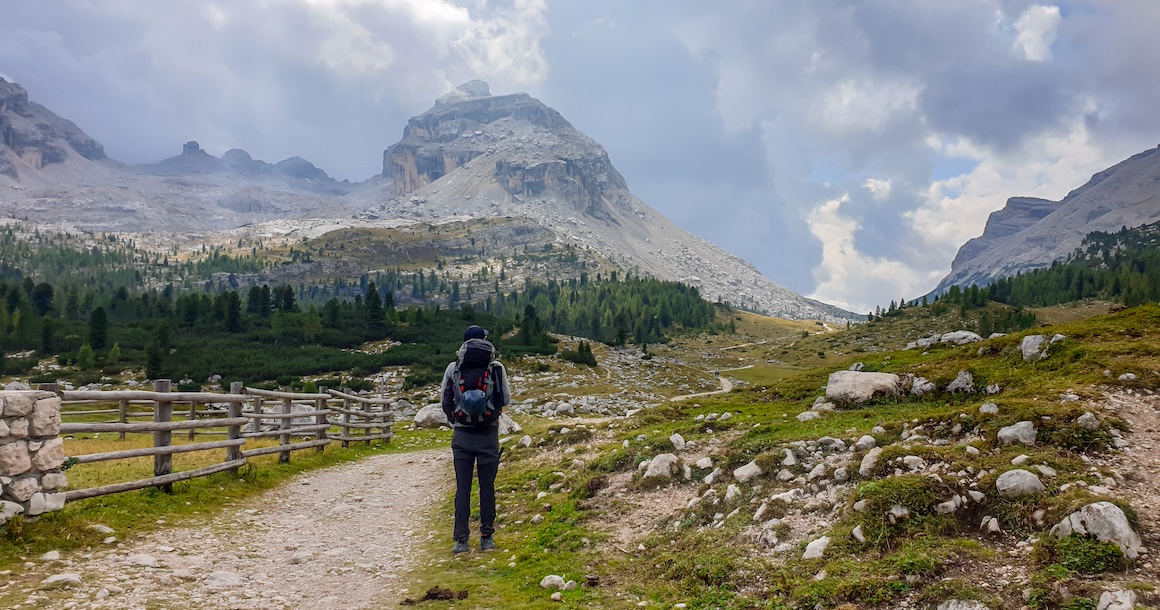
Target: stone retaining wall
31 454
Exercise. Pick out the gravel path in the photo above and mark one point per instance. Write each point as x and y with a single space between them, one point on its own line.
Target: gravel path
1140 465
335 538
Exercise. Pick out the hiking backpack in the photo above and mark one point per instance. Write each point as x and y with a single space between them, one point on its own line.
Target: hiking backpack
474 382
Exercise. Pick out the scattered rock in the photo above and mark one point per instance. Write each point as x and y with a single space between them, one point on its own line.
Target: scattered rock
552 581
870 463
865 443
858 535
147 561
224 580
1020 460
989 408
1087 421
746 472
958 604
525 441
1018 483
431 416
705 462
960 337
1117 600
51 556
662 466
1127 377
1106 522
817 548
854 388
1022 432
922 386
1032 347
806 416
678 441
964 382
507 425
790 460
61 581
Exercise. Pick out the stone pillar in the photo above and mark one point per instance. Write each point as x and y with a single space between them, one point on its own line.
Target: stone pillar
31 454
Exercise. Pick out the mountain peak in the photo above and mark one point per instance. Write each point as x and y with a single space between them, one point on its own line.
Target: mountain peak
35 137
470 90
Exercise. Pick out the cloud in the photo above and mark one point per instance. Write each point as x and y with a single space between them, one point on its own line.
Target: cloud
1037 28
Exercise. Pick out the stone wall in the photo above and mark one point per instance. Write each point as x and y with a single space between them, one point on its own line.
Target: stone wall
31 454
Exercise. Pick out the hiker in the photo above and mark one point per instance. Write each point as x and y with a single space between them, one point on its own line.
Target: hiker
475 390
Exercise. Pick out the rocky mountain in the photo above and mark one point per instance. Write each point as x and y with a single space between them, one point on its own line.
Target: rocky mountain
52 172
1032 233
478 155
471 157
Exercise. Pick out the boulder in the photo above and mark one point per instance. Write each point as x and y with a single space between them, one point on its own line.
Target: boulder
989 408
746 472
806 416
963 382
1032 347
1021 432
960 337
1117 600
678 441
1106 522
662 467
525 441
431 416
61 581
855 387
1018 483
552 581
865 443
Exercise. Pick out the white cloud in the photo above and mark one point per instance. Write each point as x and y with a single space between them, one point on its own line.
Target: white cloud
851 279
880 189
862 104
1037 28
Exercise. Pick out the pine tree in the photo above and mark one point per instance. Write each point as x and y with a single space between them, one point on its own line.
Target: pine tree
98 329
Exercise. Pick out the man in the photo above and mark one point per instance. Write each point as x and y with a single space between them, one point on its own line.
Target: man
475 390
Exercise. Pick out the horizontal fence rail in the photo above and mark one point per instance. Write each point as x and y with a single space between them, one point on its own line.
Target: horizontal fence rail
240 415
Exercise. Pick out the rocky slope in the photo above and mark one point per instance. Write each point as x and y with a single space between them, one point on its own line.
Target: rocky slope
1031 233
478 155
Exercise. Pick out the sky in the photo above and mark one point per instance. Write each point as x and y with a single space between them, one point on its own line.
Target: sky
847 148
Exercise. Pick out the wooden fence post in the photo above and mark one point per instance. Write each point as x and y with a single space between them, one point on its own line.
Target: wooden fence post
123 417
192 416
284 439
346 420
321 419
163 412
235 432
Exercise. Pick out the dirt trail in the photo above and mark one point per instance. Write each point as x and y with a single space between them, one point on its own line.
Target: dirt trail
1139 466
335 538
726 387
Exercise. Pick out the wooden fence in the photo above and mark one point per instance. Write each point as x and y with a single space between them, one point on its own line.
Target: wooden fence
369 416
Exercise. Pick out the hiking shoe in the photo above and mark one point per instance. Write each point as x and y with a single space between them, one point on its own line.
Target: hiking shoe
486 544
461 547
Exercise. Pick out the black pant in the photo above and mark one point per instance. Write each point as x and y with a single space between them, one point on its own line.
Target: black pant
474 448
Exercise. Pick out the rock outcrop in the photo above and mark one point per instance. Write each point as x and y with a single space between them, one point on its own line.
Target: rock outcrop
1032 233
1106 522
35 137
856 387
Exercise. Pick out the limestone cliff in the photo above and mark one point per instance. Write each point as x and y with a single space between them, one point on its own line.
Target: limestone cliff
1032 233
477 155
35 137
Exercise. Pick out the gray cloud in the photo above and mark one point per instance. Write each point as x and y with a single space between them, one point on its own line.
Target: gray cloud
739 120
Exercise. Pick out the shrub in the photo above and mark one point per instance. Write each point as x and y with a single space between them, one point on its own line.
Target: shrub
1082 555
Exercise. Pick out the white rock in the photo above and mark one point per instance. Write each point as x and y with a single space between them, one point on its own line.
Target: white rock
865 443
1046 471
972 450
143 560
853 387
914 462
817 548
431 416
711 477
731 493
1087 421
790 460
1106 522
1018 483
525 441
51 556
1022 432
1117 600
989 408
1021 460
507 425
101 529
976 495
662 466
552 581
748 471
858 535
817 472
1127 377
1031 348
557 597
869 463
61 581
678 441
224 580
964 382
705 462
960 337
841 475
806 416
958 604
